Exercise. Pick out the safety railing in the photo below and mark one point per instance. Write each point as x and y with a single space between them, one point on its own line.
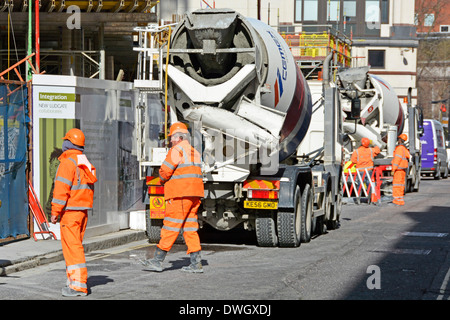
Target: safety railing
356 186
307 45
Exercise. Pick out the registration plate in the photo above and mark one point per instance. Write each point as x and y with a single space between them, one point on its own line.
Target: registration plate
270 205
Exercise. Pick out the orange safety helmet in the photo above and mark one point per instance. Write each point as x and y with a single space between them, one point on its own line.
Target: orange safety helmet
76 136
178 127
403 136
365 142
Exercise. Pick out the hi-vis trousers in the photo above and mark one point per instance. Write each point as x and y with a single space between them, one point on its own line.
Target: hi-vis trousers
398 187
181 214
73 226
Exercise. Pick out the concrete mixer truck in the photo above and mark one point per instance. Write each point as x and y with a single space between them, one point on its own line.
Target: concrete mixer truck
234 82
381 119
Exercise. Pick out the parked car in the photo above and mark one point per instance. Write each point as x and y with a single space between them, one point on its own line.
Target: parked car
434 152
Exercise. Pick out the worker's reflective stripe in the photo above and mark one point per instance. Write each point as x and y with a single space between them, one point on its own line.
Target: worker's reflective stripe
185 156
76 266
78 208
78 284
73 161
190 175
171 166
187 161
179 229
398 185
171 228
402 157
162 179
88 186
173 220
180 222
184 165
64 180
190 229
57 201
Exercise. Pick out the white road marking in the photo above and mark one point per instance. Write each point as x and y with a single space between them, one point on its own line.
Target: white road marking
425 234
444 286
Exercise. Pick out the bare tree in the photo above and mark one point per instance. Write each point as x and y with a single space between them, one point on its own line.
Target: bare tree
433 78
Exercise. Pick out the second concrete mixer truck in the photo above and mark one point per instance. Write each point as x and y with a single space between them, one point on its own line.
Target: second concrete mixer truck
382 119
234 82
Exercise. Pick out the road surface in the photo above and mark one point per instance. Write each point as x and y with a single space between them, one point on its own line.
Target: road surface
377 253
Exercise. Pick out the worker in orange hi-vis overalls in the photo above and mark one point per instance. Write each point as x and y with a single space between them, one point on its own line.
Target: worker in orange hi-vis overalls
399 167
181 175
363 159
73 195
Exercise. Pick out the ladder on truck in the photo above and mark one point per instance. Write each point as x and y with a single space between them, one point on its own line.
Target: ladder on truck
152 41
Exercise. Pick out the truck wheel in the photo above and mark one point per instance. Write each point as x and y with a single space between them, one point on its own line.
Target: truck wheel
289 223
437 174
153 227
333 223
265 230
307 207
321 222
445 175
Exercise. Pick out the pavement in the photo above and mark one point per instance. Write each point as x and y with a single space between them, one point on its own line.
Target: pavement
25 254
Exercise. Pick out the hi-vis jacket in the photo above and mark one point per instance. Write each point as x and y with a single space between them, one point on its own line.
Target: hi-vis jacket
363 157
181 172
401 158
74 183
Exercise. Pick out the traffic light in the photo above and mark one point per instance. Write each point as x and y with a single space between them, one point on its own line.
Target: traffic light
443 108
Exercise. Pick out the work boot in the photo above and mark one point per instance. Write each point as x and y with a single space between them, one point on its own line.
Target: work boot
69 292
155 264
196 263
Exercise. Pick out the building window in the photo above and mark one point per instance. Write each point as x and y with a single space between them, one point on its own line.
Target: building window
359 18
310 10
373 11
333 10
444 28
306 10
298 11
377 59
384 11
349 8
429 20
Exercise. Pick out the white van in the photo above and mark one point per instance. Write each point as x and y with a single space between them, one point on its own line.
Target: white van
434 153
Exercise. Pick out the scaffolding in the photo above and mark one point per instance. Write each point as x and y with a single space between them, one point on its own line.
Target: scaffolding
311 48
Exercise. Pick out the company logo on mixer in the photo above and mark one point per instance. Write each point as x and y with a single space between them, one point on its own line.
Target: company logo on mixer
281 72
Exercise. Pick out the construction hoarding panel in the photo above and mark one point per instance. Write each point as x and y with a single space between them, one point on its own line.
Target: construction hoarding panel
104 111
13 160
